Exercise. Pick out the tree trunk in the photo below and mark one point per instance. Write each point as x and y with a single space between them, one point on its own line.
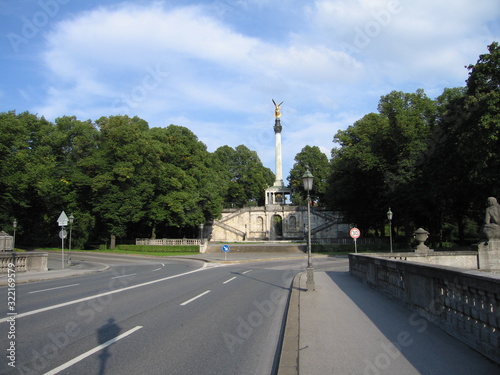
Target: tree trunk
112 245
461 230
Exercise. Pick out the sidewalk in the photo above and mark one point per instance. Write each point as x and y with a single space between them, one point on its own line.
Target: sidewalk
344 327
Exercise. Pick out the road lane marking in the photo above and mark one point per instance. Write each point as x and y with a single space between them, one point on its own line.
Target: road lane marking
57 287
117 277
92 351
246 272
157 269
28 313
231 279
195 298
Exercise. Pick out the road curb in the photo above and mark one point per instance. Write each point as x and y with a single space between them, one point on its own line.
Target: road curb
29 277
289 358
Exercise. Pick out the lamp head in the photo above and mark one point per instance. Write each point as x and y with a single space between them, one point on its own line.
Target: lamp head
389 214
308 179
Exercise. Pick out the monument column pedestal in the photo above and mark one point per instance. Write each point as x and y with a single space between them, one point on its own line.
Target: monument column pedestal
489 255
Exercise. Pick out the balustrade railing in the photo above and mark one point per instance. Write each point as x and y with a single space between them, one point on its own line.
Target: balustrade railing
466 304
168 242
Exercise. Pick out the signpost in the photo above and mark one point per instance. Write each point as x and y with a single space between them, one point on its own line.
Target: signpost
225 249
355 233
62 221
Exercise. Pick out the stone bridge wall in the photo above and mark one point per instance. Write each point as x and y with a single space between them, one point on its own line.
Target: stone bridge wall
464 303
32 261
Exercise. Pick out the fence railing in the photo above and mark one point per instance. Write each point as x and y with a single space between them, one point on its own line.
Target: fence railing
168 242
348 241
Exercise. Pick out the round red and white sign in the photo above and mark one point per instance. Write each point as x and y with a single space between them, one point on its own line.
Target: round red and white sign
355 233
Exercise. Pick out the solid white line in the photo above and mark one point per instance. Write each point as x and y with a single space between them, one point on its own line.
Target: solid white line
246 272
92 351
225 282
102 294
194 298
58 287
117 277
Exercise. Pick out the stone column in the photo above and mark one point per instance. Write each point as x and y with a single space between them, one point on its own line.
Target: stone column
278 165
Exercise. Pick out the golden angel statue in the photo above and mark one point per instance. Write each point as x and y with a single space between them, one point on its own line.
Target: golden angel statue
277 108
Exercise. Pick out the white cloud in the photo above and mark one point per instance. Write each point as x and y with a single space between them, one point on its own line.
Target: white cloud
180 65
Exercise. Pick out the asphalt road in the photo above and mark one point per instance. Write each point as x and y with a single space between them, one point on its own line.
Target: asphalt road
152 317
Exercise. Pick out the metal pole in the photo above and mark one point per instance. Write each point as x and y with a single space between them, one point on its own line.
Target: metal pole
309 260
14 224
62 246
69 246
390 233
310 285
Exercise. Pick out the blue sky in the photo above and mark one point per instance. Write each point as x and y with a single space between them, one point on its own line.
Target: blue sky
214 66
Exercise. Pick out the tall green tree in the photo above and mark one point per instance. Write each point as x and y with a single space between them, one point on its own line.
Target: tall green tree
245 178
187 190
379 163
31 190
465 146
74 144
121 179
356 184
310 157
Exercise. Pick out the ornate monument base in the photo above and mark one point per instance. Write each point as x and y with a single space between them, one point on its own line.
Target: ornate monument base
489 255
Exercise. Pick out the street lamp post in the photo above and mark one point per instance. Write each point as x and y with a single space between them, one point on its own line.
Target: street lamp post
14 224
71 219
308 179
201 233
389 217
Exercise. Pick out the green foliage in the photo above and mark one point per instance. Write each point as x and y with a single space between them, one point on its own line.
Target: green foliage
244 178
116 176
432 161
317 162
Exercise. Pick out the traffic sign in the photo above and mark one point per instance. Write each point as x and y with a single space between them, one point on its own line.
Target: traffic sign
63 234
225 248
355 233
63 219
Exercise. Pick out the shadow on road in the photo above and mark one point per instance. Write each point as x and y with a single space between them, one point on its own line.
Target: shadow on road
105 333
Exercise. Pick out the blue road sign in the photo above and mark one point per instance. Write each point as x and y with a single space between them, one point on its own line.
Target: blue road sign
225 248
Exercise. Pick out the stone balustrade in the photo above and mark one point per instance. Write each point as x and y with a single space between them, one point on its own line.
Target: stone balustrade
464 303
24 262
168 242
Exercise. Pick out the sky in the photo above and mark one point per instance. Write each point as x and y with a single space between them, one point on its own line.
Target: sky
214 66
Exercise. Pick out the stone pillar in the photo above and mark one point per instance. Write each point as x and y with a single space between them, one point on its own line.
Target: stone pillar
489 255
278 160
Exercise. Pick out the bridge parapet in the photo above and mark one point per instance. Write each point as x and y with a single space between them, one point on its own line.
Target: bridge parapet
27 261
464 303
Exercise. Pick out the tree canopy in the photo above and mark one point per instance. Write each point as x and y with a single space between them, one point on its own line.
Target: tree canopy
118 177
432 161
